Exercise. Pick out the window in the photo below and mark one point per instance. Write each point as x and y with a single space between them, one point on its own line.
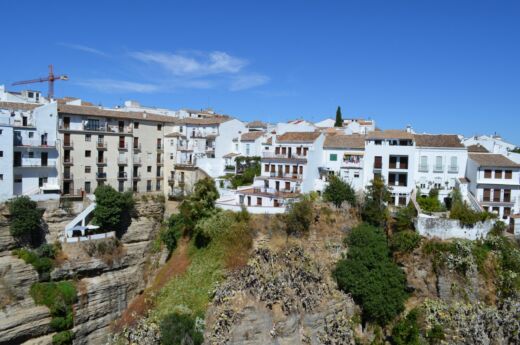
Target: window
266 167
378 162
171 156
149 185
1 131
259 201
423 164
507 195
508 174
507 212
18 179
356 174
136 125
438 164
87 169
453 164
88 137
31 154
498 173
247 149
377 142
1 177
159 127
149 168
31 134
333 157
487 173
87 153
487 194
496 195
1 153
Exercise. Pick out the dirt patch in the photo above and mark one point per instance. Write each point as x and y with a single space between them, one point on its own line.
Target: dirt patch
141 304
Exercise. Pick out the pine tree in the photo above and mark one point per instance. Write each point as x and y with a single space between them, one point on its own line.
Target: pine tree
339 118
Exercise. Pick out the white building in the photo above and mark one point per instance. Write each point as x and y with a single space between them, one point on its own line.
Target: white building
358 126
343 156
494 182
440 161
327 123
390 155
29 153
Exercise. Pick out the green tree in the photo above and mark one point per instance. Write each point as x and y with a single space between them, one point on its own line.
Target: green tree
205 192
404 218
112 208
180 329
374 210
406 331
339 118
25 220
298 217
375 282
338 191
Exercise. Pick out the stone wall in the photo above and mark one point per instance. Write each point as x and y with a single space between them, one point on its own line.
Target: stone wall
445 228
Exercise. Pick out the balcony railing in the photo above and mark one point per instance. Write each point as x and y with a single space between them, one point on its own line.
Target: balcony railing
68 161
285 175
438 168
160 146
136 176
122 160
67 175
101 144
101 161
101 175
121 175
68 144
136 160
160 161
35 143
34 164
122 146
283 155
423 168
453 169
159 175
137 147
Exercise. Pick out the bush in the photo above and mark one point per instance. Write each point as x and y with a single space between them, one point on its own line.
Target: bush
404 218
25 219
298 217
245 178
42 264
63 338
431 203
406 330
112 208
405 241
376 283
180 329
338 191
59 298
464 213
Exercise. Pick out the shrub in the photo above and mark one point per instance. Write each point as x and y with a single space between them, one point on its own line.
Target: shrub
59 298
25 219
431 203
435 335
404 218
406 330
464 213
180 329
298 217
338 191
107 250
246 177
376 283
170 236
374 209
47 250
405 241
498 228
42 264
63 338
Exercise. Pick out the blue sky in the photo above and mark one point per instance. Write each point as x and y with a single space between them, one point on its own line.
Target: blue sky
441 66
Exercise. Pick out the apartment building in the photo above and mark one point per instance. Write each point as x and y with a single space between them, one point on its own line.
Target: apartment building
28 149
289 167
494 180
390 155
440 161
198 147
102 146
343 156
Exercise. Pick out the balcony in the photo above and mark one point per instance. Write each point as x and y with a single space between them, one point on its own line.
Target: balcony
438 169
122 161
67 176
423 168
353 163
68 144
34 163
35 143
184 148
121 175
137 147
101 161
201 134
271 156
160 147
101 175
171 179
453 169
281 193
101 145
68 161
288 176
160 161
229 168
159 175
122 146
136 176
136 160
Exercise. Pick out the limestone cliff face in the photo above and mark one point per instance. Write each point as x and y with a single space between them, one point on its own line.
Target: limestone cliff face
105 284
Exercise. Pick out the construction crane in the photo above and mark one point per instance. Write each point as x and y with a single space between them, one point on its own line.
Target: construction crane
50 78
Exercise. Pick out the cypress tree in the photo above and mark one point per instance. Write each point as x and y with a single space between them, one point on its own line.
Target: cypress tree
339 118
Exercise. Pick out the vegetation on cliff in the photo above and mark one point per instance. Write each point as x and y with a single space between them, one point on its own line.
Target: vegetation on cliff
26 219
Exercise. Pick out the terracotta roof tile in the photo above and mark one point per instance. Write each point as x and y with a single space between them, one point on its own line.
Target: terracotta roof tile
390 134
100 112
298 137
214 120
19 106
251 136
477 148
438 140
256 124
343 141
493 160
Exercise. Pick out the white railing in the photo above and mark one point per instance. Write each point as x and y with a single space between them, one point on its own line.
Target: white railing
281 155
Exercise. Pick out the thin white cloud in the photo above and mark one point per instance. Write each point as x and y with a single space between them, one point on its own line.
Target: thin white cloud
116 86
247 81
84 48
195 66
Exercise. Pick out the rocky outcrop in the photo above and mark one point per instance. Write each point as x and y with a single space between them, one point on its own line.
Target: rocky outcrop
105 283
280 298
